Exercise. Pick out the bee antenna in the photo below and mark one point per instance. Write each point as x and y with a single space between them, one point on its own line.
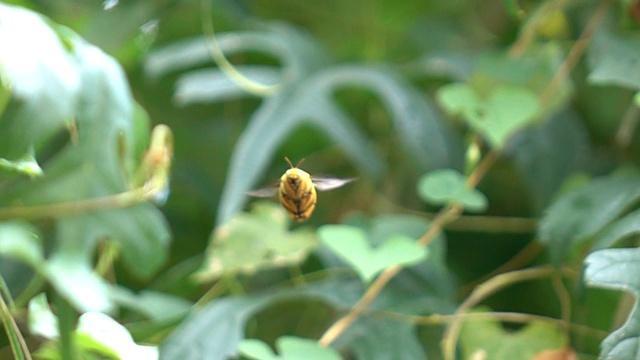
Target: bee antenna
289 162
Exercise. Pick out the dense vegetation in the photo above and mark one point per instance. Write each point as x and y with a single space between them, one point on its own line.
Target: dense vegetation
494 213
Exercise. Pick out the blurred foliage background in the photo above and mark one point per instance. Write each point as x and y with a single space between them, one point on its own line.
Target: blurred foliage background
361 99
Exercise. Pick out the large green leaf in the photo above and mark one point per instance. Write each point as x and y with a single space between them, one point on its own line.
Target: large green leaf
77 82
255 241
578 215
215 331
41 76
497 116
352 245
618 269
427 287
549 152
499 344
613 58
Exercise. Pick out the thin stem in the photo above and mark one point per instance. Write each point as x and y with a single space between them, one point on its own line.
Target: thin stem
576 52
447 214
225 65
628 125
67 319
530 28
565 300
340 326
482 292
512 317
16 340
124 199
520 260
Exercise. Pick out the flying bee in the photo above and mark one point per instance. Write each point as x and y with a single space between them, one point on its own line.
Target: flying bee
297 190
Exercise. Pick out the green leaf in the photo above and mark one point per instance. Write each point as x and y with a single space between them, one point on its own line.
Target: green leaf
254 241
296 348
443 186
506 110
73 79
460 99
618 269
289 348
577 216
256 349
26 165
96 332
546 154
214 331
5 94
351 244
499 344
621 228
40 77
613 58
154 305
113 336
22 242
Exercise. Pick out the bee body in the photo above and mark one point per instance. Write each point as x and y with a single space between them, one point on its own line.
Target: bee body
297 191
297 194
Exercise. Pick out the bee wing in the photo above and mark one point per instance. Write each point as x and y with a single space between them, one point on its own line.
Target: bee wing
264 192
329 183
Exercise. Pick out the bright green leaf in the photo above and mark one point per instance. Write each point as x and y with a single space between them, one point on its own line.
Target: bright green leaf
43 76
618 269
96 332
152 304
578 215
42 322
5 94
22 242
510 109
256 240
108 332
460 99
351 244
506 110
500 344
289 348
75 81
26 165
256 349
443 186
293 348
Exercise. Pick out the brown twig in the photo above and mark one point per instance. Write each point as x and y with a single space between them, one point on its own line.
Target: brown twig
576 52
449 213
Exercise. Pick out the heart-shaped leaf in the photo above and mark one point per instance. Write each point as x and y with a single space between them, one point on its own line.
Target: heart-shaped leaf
443 186
289 347
618 269
256 240
506 110
351 244
501 344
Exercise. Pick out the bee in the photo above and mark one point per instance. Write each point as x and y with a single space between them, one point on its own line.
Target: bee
297 190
